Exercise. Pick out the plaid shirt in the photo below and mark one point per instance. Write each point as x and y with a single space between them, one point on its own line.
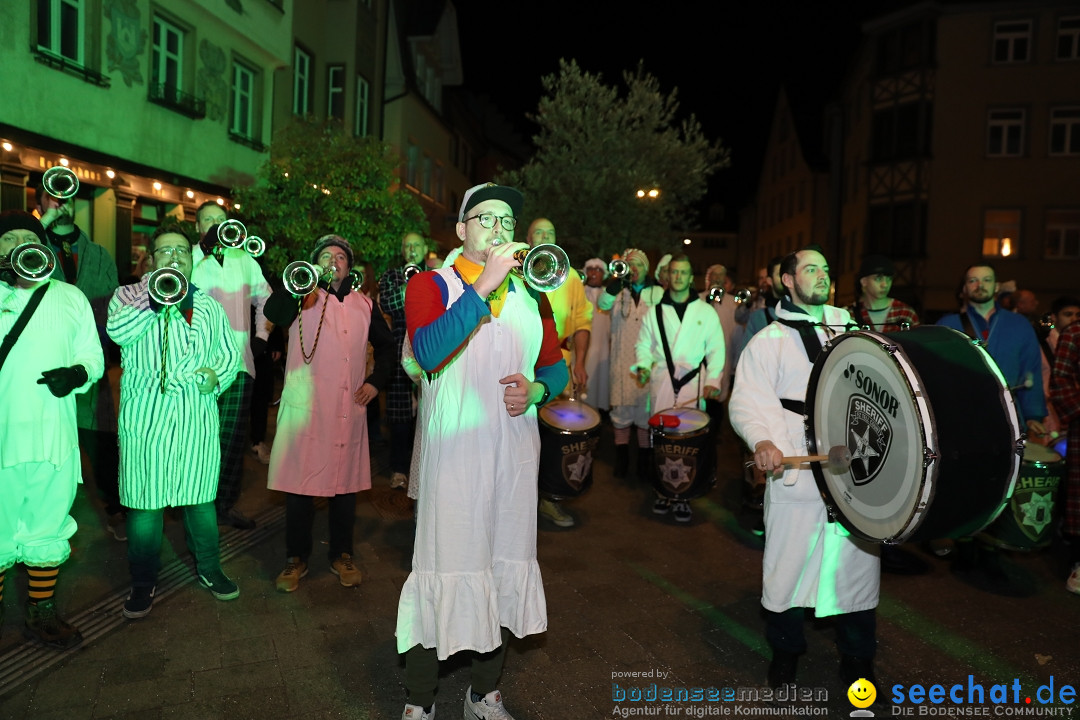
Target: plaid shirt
891 321
1065 394
399 407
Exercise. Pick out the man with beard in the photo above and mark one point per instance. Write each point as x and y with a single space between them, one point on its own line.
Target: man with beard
1012 343
808 561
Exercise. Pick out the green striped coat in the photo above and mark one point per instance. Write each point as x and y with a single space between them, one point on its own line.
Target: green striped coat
169 446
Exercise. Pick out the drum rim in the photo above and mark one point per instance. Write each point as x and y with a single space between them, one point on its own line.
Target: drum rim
595 415
928 481
666 432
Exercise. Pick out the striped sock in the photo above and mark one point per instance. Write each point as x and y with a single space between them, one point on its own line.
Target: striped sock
42 583
2 574
644 438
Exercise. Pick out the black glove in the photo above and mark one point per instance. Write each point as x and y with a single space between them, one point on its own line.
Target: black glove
209 241
258 347
615 285
62 381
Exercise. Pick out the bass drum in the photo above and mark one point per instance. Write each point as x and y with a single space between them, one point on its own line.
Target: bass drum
1028 521
684 453
569 434
932 428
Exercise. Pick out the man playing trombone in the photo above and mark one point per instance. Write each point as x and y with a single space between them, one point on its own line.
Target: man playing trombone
231 276
48 350
179 354
321 448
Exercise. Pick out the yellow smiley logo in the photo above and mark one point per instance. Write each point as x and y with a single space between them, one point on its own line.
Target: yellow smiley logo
862 693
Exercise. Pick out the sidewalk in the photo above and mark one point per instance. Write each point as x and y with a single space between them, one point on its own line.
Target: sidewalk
634 601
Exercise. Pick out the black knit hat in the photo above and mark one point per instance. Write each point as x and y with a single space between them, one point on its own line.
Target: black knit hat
22 220
876 265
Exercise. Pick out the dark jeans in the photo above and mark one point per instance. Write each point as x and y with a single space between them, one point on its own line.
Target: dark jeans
856 633
144 530
103 451
401 446
234 412
262 390
422 671
300 515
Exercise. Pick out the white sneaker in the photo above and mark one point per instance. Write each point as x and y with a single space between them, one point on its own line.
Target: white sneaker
415 712
1073 583
490 707
554 512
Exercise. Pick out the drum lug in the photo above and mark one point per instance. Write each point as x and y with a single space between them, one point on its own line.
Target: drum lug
929 456
1020 446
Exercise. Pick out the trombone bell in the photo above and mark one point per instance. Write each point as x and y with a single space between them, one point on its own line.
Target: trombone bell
60 182
255 246
301 277
356 277
411 270
232 233
618 268
30 261
167 286
544 268
716 294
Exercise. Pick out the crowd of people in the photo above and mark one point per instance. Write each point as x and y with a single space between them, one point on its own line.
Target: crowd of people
465 353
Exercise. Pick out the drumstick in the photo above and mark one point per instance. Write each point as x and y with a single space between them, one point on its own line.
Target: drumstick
838 459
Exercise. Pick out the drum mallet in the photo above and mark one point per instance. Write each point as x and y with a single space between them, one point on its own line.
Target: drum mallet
837 461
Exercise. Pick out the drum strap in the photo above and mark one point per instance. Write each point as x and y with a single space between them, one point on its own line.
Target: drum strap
676 385
807 334
796 406
20 322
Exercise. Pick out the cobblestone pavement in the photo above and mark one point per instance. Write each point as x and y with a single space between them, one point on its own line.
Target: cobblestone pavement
636 603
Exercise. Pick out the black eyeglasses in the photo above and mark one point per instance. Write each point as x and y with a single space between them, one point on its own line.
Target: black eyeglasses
487 220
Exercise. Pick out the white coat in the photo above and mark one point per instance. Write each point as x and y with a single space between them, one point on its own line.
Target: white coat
626 318
808 561
598 361
697 337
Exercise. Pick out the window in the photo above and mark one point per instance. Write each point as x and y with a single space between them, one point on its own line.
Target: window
1001 233
61 28
1063 234
1005 133
301 87
166 67
335 92
363 92
1012 41
903 48
898 230
425 176
1068 38
440 183
242 122
1065 131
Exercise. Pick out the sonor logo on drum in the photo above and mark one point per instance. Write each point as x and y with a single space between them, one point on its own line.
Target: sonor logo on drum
869 436
873 390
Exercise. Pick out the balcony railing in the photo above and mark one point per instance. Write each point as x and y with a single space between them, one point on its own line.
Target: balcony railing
249 142
69 66
177 100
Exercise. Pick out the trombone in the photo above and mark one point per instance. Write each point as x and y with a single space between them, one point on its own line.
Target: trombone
301 277
30 261
739 297
60 182
167 285
618 268
255 246
544 268
231 234
356 279
410 270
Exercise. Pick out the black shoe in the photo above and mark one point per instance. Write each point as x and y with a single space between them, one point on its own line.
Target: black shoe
140 601
855 668
48 628
236 519
782 668
901 562
622 460
645 464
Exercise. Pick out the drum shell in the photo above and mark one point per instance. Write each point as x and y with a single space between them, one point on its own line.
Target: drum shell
959 459
566 454
1027 523
684 461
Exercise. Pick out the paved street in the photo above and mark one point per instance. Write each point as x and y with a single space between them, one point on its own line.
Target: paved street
628 593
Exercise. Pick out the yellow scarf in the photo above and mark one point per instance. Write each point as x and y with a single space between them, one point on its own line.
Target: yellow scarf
470 271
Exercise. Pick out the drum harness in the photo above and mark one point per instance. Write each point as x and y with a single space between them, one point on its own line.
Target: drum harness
808 335
676 384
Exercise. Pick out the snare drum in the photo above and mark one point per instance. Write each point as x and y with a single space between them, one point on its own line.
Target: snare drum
932 429
1027 523
569 433
684 453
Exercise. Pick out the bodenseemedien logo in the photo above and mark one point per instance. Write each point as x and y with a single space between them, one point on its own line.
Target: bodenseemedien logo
862 694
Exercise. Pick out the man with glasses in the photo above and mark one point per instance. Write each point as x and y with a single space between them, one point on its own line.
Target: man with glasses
489 351
177 360
573 320
233 278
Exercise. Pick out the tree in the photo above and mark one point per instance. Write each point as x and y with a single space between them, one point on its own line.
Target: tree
321 180
596 148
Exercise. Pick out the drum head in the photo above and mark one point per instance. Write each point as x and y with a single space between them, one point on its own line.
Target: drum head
691 421
1039 454
868 399
569 416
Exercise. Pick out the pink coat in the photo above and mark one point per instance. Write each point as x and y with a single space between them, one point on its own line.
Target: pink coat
321 446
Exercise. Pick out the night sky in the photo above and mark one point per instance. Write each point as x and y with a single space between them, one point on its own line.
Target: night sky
727 62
